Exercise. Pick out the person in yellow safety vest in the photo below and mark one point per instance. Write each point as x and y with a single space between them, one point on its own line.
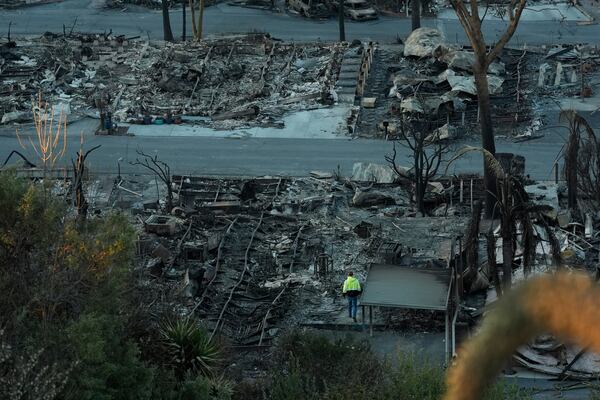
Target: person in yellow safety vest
352 290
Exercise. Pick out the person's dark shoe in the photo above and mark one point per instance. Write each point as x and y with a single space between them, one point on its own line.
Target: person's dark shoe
354 318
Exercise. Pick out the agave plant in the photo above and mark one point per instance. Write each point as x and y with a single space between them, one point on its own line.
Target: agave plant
189 347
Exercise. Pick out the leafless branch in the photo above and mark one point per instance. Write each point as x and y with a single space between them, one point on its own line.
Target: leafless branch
160 169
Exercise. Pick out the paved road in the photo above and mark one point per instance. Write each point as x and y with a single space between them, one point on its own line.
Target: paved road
222 18
291 157
276 156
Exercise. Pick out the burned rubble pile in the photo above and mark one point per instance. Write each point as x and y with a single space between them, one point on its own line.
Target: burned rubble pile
431 80
10 4
569 71
253 256
225 82
154 4
579 251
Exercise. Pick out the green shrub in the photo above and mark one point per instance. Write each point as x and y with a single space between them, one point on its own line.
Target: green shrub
329 363
412 379
308 365
502 391
167 387
292 386
109 367
196 389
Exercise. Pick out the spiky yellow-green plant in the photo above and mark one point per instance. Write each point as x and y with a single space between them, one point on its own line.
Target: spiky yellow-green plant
50 142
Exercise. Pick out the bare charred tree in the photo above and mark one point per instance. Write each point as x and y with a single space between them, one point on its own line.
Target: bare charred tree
471 21
161 170
27 163
167 33
78 176
426 155
582 160
415 14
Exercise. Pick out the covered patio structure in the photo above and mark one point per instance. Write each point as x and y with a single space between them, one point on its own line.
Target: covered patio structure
412 288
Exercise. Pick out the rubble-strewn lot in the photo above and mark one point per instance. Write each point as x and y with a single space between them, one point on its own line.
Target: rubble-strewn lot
250 78
431 80
253 256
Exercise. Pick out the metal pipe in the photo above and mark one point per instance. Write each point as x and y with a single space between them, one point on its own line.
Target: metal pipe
362 311
454 331
447 333
471 195
371 321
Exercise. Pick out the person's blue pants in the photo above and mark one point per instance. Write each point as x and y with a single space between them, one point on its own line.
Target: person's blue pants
352 306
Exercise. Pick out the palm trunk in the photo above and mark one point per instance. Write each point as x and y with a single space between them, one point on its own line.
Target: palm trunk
420 198
184 20
415 14
472 246
200 20
168 34
169 205
507 231
571 167
487 134
507 255
341 21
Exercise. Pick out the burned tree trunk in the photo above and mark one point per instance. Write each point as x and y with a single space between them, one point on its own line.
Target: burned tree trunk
167 33
571 170
169 203
508 252
78 176
341 21
183 28
420 184
472 245
415 14
487 134
468 15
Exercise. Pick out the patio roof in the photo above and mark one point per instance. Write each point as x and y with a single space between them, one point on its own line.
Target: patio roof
407 287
